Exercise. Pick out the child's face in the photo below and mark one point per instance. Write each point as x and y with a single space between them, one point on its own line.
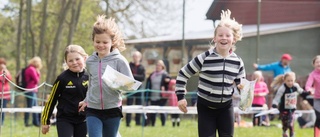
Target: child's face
316 64
223 38
289 80
102 44
75 62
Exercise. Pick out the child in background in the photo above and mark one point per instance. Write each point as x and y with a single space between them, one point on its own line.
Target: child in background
104 104
172 101
5 93
68 90
313 86
286 100
307 120
236 98
260 91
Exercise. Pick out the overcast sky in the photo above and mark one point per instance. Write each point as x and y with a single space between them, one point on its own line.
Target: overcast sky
195 19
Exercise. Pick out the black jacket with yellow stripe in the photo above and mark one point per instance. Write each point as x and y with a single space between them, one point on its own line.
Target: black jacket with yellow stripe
68 90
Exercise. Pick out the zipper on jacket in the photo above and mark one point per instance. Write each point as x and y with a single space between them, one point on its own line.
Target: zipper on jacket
100 83
224 66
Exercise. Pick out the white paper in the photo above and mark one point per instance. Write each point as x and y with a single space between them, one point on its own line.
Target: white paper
246 94
119 81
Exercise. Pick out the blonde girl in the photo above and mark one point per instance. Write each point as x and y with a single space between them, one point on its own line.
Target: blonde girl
104 104
218 69
68 90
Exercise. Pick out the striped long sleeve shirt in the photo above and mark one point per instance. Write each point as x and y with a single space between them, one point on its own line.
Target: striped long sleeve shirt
216 77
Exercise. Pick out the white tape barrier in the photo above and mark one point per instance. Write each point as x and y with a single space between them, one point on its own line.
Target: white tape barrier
161 109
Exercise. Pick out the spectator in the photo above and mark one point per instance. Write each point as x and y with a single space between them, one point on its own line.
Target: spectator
260 91
4 86
307 120
172 101
32 76
278 68
138 73
157 81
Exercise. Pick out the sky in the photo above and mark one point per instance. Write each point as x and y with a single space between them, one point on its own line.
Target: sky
195 17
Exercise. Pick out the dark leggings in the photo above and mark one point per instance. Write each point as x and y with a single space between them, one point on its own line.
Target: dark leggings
152 116
210 120
68 129
287 122
317 123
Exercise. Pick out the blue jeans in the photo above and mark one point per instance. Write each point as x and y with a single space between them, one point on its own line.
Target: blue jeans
102 127
5 101
31 98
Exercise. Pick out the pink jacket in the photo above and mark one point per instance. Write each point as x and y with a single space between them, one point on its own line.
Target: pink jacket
170 94
260 87
314 82
32 77
6 85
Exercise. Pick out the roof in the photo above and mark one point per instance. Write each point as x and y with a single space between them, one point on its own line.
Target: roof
248 31
272 11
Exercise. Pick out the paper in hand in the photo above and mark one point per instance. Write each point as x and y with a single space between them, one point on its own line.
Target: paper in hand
246 94
119 81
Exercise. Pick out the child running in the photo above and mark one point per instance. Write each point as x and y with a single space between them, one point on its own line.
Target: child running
68 90
104 104
313 86
219 68
286 101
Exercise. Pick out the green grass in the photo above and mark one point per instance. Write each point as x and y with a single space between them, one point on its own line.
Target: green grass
188 128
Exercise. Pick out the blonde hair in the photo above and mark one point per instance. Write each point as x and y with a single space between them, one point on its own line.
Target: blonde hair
305 105
257 74
162 64
315 58
73 49
236 28
109 26
280 79
36 62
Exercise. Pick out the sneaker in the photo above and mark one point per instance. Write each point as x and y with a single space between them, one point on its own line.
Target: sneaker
284 135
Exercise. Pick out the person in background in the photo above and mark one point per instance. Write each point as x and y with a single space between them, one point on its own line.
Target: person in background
278 68
306 120
236 98
313 86
157 81
286 101
32 76
260 91
220 69
68 90
103 104
4 87
172 101
138 72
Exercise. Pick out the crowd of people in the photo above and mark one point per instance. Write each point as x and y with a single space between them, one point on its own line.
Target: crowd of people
88 106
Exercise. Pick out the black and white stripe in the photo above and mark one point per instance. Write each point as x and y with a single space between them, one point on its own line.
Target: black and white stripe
216 76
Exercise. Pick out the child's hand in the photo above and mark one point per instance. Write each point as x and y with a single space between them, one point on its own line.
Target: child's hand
82 106
240 86
45 129
182 104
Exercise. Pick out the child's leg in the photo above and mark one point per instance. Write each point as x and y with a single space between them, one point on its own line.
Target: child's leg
291 124
317 124
178 120
285 125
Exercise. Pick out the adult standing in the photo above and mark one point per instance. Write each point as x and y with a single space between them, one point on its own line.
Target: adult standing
157 81
32 77
4 86
138 72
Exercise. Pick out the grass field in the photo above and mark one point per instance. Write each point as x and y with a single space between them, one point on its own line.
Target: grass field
188 128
